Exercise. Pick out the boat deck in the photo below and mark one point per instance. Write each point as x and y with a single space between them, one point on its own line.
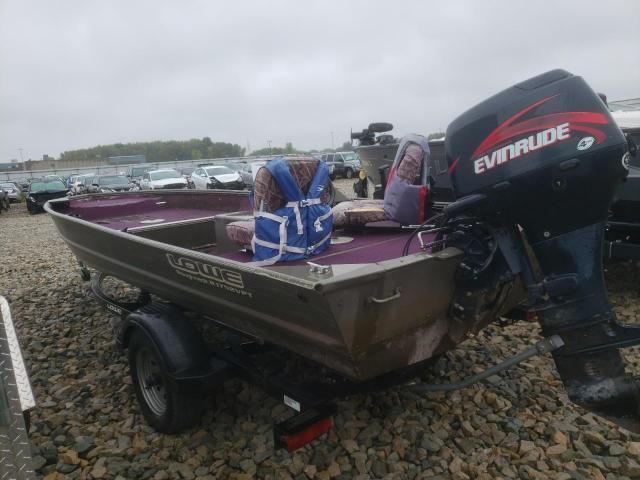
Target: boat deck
166 217
197 222
366 246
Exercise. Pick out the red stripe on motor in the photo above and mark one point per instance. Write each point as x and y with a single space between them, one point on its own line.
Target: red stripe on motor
508 133
453 166
422 201
486 144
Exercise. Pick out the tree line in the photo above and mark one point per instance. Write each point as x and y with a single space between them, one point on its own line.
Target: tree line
194 149
160 151
172 150
289 149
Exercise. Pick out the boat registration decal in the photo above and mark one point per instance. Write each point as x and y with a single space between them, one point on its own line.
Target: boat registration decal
195 270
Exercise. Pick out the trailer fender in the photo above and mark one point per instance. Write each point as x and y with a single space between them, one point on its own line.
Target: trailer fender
178 342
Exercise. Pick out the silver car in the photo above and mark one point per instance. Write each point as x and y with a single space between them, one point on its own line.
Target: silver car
13 191
244 170
217 177
81 184
165 178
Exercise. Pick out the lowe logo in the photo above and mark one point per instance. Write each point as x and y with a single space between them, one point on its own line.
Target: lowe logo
114 309
522 147
206 271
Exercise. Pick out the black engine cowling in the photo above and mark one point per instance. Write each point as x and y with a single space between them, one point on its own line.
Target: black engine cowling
546 153
546 156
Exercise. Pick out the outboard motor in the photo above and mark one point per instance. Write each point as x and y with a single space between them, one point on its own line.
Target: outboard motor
539 162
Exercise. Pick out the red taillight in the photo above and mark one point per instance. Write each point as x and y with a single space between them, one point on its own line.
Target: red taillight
294 441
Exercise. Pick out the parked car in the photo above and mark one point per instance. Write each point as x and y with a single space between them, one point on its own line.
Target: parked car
109 183
135 172
43 190
13 191
345 164
165 178
23 183
71 179
81 184
330 166
244 170
217 177
4 200
186 173
54 177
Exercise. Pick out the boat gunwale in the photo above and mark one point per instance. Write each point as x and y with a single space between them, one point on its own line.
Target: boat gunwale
329 284
48 207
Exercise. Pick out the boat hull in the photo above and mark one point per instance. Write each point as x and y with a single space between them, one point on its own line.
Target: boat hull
361 320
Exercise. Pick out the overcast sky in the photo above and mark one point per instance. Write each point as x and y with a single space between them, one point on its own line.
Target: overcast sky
80 73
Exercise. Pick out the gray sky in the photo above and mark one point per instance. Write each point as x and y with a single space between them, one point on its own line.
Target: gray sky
79 73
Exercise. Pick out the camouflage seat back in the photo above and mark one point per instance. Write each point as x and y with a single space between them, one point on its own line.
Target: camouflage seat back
267 196
406 194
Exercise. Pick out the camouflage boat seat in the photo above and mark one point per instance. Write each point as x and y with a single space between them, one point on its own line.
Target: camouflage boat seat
268 197
358 213
241 232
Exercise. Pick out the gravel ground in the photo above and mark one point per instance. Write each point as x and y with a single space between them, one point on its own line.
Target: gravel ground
87 424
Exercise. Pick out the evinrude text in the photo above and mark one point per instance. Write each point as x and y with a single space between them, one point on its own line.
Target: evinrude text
522 147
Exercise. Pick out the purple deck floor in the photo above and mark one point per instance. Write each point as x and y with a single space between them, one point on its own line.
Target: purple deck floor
381 241
151 218
366 247
147 208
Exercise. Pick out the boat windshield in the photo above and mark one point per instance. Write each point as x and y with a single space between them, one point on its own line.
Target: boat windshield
43 186
218 170
113 180
164 174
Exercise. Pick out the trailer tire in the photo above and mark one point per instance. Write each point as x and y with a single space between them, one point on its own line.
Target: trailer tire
166 406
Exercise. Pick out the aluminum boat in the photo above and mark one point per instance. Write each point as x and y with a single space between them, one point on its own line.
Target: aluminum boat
363 311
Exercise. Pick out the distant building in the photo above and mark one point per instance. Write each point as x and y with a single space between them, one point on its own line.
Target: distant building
127 159
9 166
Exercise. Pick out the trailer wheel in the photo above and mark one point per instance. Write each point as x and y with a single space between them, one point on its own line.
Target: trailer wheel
167 407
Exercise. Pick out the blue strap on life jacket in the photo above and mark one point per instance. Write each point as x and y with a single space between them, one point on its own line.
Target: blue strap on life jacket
300 228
